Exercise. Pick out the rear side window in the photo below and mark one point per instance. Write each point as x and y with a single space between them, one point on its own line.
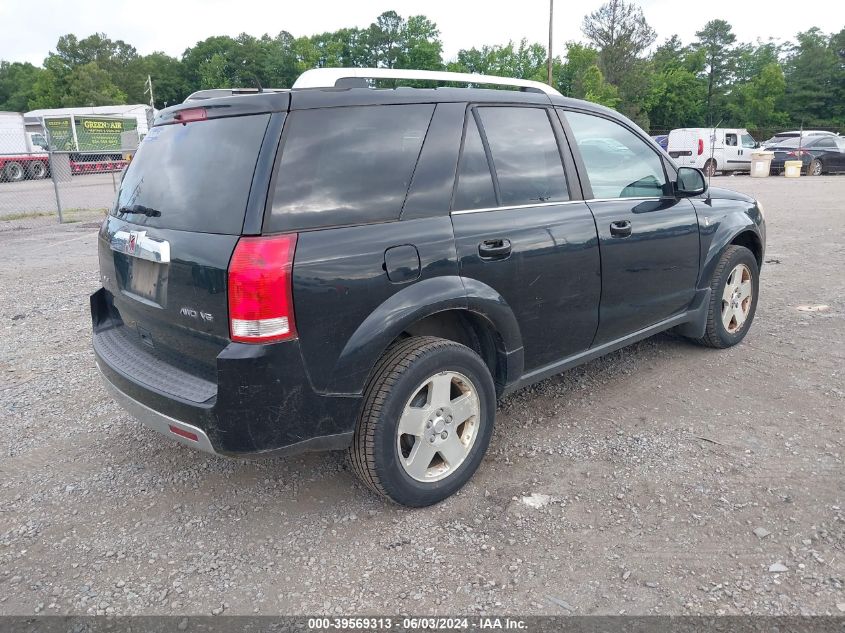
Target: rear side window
525 155
193 176
475 184
342 166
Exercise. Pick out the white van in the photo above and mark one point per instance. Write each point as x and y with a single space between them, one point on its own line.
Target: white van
712 149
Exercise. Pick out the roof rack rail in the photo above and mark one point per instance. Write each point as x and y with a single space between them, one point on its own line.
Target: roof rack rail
211 93
338 77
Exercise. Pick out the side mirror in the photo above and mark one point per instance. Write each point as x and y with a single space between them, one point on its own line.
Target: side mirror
756 144
691 182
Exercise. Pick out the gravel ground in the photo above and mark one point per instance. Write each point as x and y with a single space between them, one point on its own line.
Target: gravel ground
78 193
664 478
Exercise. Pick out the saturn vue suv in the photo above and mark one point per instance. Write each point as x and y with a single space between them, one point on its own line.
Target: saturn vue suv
355 265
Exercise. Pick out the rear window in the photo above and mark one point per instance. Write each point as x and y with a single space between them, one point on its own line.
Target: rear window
194 176
350 165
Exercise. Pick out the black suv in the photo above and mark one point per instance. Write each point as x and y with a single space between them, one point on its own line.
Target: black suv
339 266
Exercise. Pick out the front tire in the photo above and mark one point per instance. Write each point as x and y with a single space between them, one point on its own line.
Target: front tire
426 422
734 289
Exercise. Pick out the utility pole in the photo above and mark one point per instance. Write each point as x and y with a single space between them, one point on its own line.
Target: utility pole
551 16
148 88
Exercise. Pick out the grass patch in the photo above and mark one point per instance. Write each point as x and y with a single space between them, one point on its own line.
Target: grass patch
26 215
67 215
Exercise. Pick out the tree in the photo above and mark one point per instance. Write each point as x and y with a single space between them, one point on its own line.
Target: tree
420 45
715 41
620 33
167 76
523 61
90 85
244 61
16 85
756 103
677 90
597 90
814 78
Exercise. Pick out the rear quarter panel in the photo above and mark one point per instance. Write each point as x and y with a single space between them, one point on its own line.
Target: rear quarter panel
339 280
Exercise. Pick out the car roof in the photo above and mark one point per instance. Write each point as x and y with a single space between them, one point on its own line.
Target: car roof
234 102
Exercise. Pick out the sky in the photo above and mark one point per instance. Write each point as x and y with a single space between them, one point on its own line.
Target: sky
27 34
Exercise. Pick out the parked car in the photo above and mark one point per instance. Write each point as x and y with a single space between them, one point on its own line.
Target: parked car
662 140
818 154
782 136
370 270
712 149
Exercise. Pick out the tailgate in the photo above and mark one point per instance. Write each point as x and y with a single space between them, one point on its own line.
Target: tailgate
164 251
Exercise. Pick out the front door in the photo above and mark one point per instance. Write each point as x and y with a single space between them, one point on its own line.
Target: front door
518 231
648 238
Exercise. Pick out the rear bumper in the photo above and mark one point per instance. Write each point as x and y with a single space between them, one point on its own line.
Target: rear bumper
158 421
261 403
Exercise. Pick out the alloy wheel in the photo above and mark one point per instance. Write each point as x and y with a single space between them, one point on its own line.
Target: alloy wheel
438 427
736 299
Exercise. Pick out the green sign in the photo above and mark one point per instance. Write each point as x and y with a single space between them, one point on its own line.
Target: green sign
97 134
59 134
93 134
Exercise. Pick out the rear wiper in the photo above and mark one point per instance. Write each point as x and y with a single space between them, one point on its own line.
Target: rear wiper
139 209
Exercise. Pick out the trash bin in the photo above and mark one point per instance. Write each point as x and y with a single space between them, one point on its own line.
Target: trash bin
761 162
792 168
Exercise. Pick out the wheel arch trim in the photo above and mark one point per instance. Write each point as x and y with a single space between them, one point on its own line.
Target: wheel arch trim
731 230
412 304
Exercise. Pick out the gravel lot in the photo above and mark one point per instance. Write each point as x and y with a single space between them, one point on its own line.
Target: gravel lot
659 462
85 192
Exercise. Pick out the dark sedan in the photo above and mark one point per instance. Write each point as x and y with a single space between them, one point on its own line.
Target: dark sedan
818 155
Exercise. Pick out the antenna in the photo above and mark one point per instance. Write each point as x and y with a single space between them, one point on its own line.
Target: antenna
712 152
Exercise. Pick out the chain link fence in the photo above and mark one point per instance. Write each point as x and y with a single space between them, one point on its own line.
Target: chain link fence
46 178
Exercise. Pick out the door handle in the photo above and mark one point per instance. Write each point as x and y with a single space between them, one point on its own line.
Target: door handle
494 249
621 228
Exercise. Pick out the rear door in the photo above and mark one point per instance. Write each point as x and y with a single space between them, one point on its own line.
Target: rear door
685 146
826 150
522 229
165 248
837 162
648 237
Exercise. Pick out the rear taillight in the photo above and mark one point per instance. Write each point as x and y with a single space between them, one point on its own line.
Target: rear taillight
700 146
260 296
798 152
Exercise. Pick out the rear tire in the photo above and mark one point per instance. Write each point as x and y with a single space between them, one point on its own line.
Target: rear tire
426 421
36 170
710 167
815 168
14 172
734 288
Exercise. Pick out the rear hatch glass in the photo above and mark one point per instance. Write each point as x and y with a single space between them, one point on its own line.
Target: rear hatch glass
193 176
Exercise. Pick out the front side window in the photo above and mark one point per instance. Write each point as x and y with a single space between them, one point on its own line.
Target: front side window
748 141
525 155
824 143
348 165
619 163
